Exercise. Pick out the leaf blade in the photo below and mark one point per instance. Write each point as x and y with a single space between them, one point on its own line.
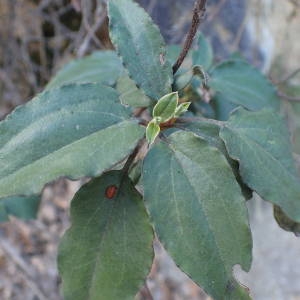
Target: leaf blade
260 142
141 47
103 67
24 208
60 134
204 54
182 205
120 231
242 84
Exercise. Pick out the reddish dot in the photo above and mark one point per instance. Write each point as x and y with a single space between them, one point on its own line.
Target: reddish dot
111 191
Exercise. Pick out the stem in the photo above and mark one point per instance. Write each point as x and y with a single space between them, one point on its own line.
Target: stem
288 98
199 10
132 156
288 77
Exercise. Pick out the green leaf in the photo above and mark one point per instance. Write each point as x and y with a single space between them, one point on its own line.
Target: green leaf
198 211
242 84
260 142
173 52
181 109
24 208
285 222
100 67
141 46
204 54
152 131
3 213
130 94
209 130
165 108
73 131
183 79
222 107
107 253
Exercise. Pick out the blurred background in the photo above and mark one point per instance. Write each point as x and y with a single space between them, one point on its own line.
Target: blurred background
37 37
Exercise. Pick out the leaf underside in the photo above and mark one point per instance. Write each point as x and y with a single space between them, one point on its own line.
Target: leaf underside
198 211
107 253
73 131
260 142
141 47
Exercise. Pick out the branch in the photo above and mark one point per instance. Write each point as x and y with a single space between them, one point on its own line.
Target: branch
199 10
288 77
132 156
287 97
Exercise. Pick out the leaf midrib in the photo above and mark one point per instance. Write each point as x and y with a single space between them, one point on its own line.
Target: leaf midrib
79 141
201 205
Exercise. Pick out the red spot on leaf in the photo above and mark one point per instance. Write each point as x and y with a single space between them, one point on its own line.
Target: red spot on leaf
111 191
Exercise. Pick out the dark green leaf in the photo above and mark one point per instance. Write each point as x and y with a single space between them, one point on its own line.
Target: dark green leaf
173 52
130 94
242 84
209 130
141 46
285 222
203 56
198 211
260 142
24 208
107 253
73 131
222 107
3 213
101 67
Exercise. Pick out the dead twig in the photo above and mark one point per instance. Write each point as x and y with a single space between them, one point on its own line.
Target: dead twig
199 11
26 271
288 77
287 97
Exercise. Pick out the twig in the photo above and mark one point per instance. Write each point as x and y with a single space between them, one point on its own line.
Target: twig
145 292
27 272
91 31
288 77
214 13
295 3
287 97
132 156
199 11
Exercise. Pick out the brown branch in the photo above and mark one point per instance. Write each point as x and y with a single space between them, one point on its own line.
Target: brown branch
288 77
199 11
287 97
132 156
